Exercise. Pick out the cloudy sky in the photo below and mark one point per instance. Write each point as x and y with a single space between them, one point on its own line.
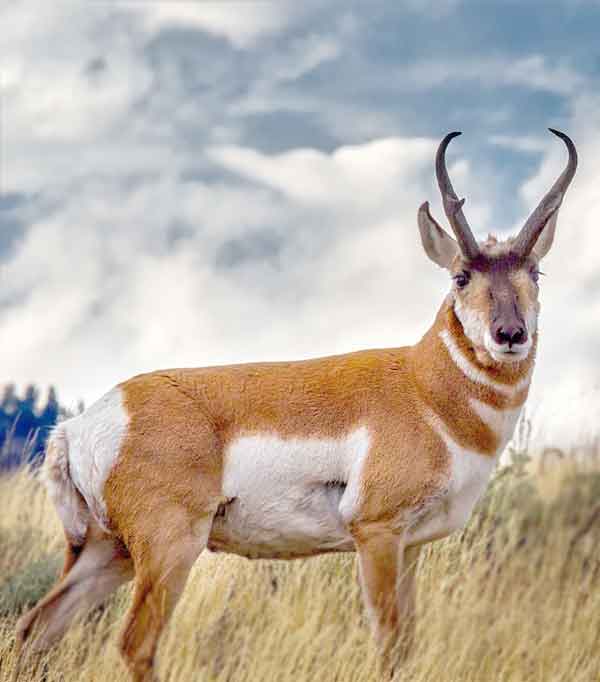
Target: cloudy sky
192 183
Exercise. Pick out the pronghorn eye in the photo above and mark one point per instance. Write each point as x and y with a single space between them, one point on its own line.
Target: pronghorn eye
462 279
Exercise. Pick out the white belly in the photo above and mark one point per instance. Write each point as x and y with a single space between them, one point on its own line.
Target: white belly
289 497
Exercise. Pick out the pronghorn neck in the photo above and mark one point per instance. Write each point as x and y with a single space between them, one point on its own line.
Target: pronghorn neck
447 334
464 393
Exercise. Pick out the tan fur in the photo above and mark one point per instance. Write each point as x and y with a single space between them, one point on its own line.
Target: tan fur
163 492
413 429
182 421
384 560
166 487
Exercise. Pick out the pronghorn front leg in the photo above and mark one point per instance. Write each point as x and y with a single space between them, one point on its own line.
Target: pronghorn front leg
387 569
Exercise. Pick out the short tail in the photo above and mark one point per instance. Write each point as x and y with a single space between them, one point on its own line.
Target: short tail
70 505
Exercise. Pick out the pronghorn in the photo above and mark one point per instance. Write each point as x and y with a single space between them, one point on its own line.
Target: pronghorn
376 451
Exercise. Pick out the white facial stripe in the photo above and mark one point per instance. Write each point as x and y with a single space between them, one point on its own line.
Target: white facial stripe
531 318
473 322
477 375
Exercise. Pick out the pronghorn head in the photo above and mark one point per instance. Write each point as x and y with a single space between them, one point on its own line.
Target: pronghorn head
495 283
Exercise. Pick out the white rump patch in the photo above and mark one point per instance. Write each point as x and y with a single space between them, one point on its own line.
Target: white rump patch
55 473
290 496
95 439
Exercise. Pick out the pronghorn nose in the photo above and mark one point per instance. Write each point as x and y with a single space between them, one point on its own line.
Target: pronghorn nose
510 334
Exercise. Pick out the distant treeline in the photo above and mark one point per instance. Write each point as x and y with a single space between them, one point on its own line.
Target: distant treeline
25 423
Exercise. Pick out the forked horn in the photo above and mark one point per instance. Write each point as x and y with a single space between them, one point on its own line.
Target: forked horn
452 204
527 237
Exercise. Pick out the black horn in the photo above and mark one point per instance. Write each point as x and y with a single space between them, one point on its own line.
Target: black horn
527 237
452 204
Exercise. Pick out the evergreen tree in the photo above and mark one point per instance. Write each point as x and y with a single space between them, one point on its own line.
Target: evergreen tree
50 413
9 403
24 427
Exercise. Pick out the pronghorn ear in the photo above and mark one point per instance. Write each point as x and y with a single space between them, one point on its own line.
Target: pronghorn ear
546 238
438 244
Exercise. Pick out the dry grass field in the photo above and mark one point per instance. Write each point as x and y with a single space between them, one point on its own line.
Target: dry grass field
516 596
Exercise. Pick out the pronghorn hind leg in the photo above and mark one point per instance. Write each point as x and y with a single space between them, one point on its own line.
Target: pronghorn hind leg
387 569
72 553
96 571
163 558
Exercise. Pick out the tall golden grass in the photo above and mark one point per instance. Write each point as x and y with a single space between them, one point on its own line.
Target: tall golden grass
516 596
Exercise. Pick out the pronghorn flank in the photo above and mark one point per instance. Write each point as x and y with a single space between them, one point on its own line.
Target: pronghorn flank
378 451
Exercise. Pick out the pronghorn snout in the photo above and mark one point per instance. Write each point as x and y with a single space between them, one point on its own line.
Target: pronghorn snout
508 338
509 334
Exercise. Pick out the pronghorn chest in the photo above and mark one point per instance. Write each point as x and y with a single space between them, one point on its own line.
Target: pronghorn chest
288 497
469 473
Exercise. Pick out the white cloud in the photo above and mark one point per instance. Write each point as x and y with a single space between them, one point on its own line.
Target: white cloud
301 57
242 23
534 72
134 259
66 88
107 297
521 143
356 174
